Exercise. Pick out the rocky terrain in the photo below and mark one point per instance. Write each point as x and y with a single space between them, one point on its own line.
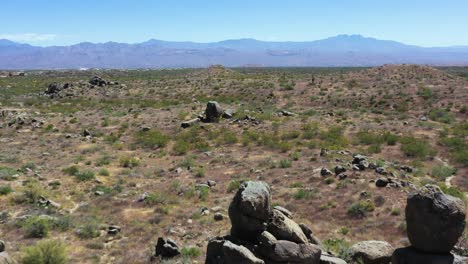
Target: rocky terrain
241 165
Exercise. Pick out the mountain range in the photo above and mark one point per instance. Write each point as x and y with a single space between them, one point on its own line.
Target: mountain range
342 50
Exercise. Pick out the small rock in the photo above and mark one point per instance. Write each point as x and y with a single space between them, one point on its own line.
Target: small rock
381 182
325 172
166 248
218 217
339 169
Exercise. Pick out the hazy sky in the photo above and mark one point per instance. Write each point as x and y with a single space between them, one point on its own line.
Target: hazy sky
58 22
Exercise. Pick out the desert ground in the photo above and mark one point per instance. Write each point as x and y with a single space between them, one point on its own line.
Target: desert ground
104 165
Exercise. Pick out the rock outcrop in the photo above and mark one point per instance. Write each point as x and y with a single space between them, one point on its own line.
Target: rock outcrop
262 234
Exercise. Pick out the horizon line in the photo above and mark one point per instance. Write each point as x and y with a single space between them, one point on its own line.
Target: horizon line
232 39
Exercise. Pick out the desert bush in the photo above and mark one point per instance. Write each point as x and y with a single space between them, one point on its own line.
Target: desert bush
181 147
285 163
338 247
37 227
190 252
104 172
441 115
442 172
234 185
417 148
333 138
86 175
129 162
4 190
7 173
359 209
151 139
88 230
303 194
72 170
46 252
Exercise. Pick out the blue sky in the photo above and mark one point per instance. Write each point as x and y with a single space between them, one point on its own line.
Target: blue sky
59 22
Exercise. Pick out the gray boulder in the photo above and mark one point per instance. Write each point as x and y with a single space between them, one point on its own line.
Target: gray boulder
190 123
435 221
372 252
339 169
234 254
289 252
410 255
167 248
310 236
213 111
283 228
250 210
329 259
2 246
325 172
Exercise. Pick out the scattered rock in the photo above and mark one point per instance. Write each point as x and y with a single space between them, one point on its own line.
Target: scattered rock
213 111
435 221
190 123
218 217
325 172
166 248
229 113
339 169
287 113
381 182
372 252
113 230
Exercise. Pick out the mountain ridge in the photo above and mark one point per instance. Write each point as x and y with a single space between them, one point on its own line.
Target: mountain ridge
340 50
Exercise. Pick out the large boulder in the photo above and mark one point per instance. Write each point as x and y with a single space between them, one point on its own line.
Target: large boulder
283 228
372 252
411 255
435 221
213 111
250 210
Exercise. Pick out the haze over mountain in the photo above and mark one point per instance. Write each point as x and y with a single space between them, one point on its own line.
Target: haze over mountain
342 50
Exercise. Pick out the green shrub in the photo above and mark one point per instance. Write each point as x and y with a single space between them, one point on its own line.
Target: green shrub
442 172
4 190
286 163
152 139
338 247
104 172
229 137
88 231
45 252
7 173
190 252
417 148
72 170
333 138
359 209
199 172
234 185
129 162
181 147
155 199
86 175
453 191
32 192
441 115
303 194
37 227
104 160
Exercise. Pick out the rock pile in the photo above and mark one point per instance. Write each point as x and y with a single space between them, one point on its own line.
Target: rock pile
435 222
263 234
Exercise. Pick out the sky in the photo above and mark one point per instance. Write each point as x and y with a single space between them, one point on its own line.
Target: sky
63 22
